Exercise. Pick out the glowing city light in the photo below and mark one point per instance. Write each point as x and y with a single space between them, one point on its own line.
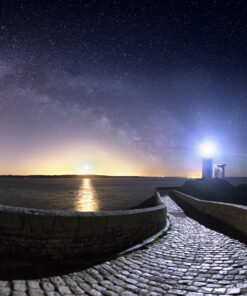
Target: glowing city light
84 169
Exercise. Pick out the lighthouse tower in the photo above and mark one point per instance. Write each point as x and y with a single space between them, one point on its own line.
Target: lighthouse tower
207 150
207 168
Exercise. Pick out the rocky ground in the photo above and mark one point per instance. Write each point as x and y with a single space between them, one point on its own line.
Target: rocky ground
190 260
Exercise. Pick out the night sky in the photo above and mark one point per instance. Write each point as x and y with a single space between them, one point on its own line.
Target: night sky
122 87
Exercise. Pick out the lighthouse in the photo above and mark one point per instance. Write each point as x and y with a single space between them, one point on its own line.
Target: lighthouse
207 150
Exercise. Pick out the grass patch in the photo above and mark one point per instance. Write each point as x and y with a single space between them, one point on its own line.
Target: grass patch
164 233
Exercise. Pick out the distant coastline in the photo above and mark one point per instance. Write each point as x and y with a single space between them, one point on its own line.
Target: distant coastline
82 176
100 176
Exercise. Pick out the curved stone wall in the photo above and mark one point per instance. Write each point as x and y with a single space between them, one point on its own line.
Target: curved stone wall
231 215
31 233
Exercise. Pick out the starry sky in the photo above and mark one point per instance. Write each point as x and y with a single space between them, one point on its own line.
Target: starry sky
122 87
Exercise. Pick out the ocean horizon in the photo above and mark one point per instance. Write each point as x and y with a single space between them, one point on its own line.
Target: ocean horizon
85 193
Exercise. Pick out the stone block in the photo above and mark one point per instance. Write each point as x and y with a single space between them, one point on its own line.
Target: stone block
11 221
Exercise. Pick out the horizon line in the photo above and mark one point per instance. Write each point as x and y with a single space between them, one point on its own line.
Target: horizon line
87 175
100 176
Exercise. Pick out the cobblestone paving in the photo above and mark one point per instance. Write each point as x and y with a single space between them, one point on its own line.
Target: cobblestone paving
191 260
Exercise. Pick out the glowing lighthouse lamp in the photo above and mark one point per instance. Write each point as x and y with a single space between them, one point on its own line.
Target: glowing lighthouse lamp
207 151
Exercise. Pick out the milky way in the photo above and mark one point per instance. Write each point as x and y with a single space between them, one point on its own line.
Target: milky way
126 88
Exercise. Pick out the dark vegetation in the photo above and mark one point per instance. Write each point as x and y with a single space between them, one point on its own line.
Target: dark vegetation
216 190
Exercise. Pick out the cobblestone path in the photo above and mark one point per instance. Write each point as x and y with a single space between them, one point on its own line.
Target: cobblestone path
191 260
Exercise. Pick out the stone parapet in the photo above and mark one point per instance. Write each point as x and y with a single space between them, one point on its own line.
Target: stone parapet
32 233
229 215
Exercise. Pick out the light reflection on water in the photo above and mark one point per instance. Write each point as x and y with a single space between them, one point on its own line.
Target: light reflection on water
87 197
84 194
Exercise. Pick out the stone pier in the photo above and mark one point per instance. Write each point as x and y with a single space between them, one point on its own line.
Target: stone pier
190 260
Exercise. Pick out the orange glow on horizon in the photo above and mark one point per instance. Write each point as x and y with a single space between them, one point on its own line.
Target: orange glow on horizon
195 176
92 159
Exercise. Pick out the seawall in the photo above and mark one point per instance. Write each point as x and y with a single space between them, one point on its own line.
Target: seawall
231 218
32 233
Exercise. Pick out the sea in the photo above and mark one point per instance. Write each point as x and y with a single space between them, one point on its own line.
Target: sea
84 194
